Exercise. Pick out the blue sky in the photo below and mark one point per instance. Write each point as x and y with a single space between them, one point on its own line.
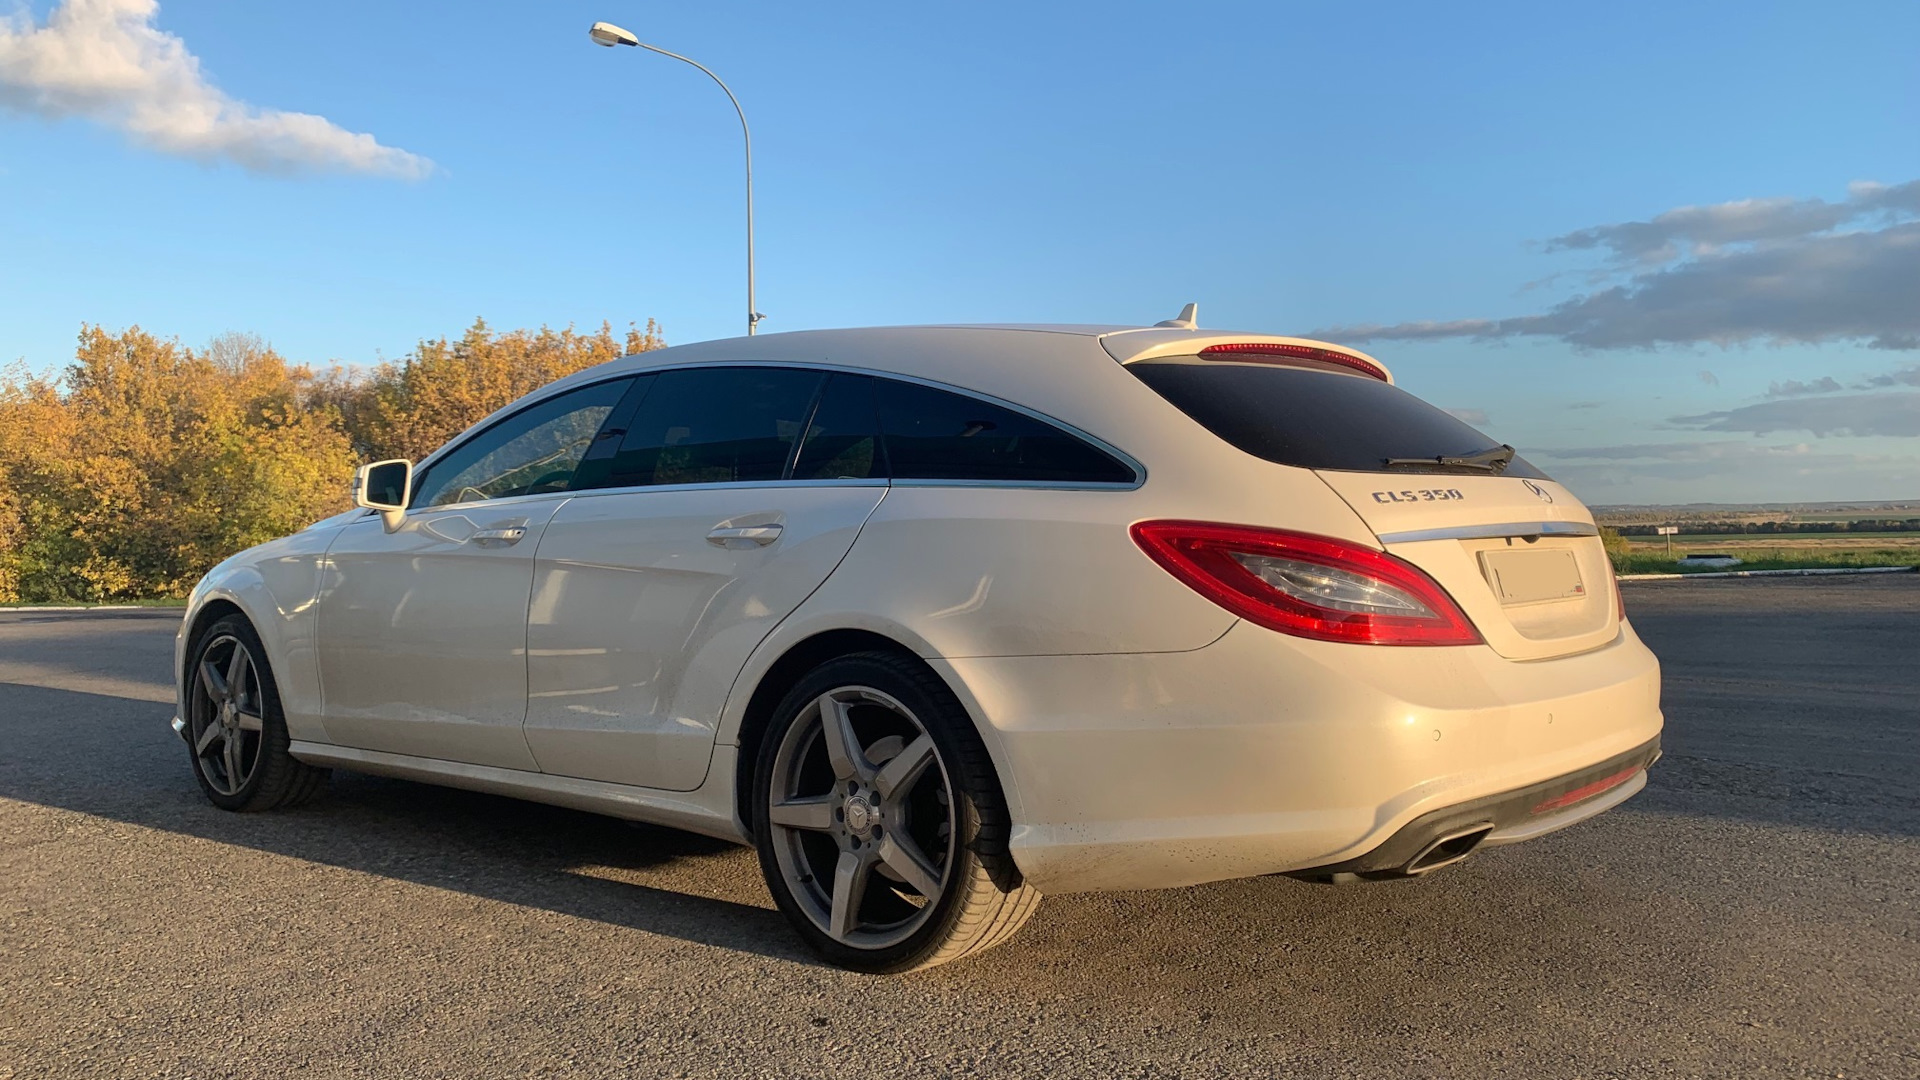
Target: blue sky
1398 174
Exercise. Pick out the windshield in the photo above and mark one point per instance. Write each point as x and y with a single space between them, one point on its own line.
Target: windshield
1319 419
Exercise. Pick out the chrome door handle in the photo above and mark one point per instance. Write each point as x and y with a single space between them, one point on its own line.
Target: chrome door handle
729 536
504 537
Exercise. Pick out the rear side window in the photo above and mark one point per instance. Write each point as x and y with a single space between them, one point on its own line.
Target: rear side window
936 435
1317 419
843 438
714 426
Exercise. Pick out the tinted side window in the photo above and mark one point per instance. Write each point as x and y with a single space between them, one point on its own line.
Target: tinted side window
716 425
597 467
936 435
1316 419
535 450
843 438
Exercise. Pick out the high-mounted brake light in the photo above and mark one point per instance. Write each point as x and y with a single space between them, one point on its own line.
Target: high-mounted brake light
1251 351
1308 586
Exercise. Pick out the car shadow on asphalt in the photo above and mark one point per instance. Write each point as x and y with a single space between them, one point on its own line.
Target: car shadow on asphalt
116 758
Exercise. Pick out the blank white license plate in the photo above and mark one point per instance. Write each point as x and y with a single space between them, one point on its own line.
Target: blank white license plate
1528 577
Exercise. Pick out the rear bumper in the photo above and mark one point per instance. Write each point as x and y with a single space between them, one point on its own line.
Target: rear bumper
1264 754
1442 837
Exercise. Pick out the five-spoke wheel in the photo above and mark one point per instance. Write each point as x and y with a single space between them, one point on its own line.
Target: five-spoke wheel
233 725
881 827
862 816
226 726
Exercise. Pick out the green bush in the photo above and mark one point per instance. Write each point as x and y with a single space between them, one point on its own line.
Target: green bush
1618 548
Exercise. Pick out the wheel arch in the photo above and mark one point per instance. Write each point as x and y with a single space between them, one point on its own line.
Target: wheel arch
209 612
803 656
244 592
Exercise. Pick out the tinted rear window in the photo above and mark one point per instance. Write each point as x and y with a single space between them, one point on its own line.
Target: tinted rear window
842 441
1316 419
935 435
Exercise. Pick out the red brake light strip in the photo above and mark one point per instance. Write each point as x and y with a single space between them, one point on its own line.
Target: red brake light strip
1241 350
1588 791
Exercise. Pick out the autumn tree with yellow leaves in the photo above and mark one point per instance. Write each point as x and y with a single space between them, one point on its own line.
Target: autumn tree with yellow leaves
144 462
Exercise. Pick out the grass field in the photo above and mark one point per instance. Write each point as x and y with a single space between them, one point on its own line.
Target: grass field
1839 541
1643 561
1895 538
1859 515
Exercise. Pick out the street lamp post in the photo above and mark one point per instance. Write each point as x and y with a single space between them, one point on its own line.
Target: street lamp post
610 35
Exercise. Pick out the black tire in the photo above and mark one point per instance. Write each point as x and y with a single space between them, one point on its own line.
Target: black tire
269 776
982 900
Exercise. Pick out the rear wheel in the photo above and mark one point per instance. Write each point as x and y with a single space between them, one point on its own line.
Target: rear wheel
235 730
880 823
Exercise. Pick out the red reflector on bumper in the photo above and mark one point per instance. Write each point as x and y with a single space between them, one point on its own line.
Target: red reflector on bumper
1585 791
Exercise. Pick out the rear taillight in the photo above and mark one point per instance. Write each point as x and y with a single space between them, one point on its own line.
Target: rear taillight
1308 586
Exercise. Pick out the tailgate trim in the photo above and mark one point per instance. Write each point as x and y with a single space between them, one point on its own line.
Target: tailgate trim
1516 530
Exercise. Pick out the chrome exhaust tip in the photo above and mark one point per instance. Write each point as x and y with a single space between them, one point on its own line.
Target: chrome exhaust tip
1448 849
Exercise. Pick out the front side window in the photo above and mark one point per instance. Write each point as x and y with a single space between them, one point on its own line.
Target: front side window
716 425
533 451
937 435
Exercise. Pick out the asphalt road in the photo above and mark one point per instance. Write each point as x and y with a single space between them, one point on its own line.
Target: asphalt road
1755 913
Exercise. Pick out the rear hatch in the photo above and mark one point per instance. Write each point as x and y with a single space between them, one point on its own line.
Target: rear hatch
1516 550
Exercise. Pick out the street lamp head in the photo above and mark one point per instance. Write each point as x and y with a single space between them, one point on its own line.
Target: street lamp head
610 35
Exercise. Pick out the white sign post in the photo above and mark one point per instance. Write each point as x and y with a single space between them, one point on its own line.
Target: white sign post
1668 531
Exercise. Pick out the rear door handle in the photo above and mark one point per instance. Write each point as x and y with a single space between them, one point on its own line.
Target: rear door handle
503 537
738 536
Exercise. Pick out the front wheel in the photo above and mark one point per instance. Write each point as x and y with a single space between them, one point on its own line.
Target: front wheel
235 730
881 827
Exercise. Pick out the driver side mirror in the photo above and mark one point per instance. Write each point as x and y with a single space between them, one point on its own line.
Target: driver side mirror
384 486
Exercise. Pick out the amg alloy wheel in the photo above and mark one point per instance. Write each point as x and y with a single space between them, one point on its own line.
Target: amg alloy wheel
862 824
881 828
227 728
234 727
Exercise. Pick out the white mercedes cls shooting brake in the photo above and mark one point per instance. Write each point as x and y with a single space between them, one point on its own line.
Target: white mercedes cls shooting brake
945 618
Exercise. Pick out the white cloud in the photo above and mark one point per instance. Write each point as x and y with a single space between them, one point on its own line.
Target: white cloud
1725 450
1705 229
1894 413
1772 270
1737 470
104 60
1825 384
1906 376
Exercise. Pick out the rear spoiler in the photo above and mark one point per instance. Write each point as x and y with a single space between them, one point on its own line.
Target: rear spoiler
1132 346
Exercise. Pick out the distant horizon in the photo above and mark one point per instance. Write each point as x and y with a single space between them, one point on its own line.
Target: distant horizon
1760 507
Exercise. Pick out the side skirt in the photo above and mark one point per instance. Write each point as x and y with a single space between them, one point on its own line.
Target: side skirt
702 811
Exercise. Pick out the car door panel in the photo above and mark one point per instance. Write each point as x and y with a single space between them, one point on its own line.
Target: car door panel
423 632
647 602
423 629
